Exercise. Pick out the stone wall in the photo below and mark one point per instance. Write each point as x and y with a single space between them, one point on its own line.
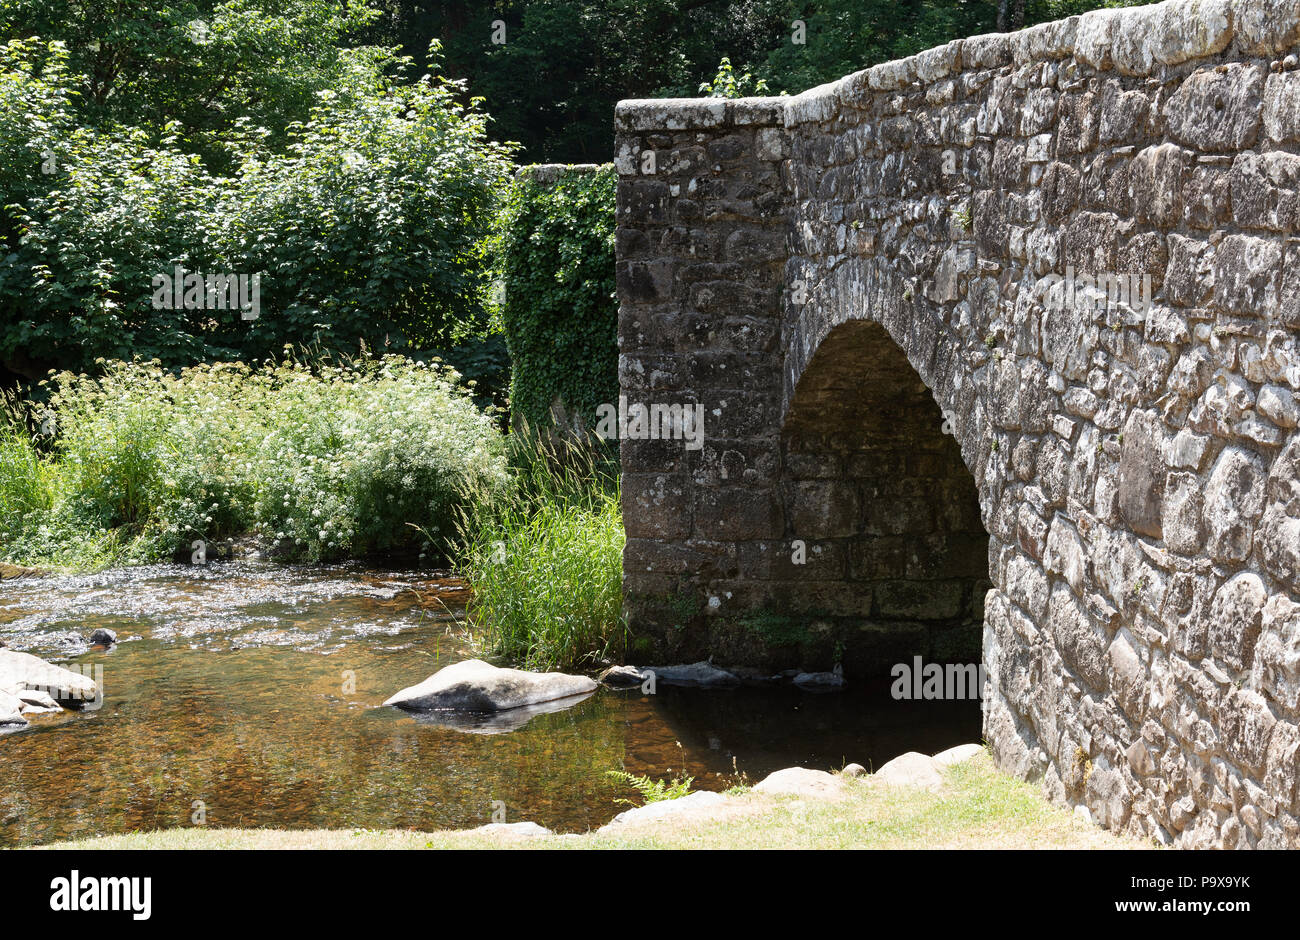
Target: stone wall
879 290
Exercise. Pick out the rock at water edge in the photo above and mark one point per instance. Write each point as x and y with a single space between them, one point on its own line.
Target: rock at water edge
473 685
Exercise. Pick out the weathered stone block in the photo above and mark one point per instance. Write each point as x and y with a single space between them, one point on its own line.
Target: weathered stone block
1246 272
1234 498
919 600
1142 472
736 514
1217 109
1081 642
1264 190
1189 278
1181 519
1276 668
1235 619
1156 183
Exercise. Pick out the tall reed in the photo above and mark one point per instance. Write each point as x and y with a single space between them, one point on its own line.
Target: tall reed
544 556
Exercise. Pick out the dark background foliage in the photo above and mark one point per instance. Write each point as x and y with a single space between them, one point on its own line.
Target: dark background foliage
552 85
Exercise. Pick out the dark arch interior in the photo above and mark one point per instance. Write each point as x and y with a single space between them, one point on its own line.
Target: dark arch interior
879 493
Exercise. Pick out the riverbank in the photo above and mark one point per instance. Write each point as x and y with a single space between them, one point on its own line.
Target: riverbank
977 808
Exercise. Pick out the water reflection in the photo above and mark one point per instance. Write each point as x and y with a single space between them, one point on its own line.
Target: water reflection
250 695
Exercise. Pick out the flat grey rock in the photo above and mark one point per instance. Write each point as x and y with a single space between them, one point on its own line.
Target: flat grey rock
476 686
703 675
527 830
662 809
22 671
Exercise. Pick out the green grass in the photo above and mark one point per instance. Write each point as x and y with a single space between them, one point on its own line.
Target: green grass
979 808
544 557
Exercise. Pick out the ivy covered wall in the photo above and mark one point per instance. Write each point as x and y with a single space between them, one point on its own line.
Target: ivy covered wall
558 309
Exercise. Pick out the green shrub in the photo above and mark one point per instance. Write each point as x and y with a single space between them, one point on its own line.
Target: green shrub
544 558
368 227
556 254
341 461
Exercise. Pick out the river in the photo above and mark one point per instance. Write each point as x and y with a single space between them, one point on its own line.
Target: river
247 694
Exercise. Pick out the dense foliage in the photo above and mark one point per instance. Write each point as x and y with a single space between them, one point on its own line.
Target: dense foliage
365 222
556 250
375 457
224 72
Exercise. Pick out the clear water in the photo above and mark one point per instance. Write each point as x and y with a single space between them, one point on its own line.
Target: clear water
248 694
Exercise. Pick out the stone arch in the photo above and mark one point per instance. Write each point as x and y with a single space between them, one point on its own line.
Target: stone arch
874 480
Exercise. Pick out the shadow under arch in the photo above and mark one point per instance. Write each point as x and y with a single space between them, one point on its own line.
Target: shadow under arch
875 487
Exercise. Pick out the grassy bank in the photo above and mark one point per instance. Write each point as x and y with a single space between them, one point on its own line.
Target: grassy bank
979 808
320 464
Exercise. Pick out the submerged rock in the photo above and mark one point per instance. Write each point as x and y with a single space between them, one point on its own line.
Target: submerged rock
701 675
499 722
476 686
752 675
20 671
103 637
832 681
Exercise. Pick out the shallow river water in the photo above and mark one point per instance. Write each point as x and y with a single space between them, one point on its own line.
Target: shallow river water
248 694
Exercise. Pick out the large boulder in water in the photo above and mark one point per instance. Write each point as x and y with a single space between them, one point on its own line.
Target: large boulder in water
20 671
476 686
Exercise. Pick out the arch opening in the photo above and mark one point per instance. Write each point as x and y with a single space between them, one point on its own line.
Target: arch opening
877 491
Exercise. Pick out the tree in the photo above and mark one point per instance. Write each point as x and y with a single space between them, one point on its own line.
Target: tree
365 228
203 66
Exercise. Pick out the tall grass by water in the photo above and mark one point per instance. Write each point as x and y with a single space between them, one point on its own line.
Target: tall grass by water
320 464
544 557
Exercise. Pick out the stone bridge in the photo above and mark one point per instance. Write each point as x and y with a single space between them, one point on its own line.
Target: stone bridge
997 348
